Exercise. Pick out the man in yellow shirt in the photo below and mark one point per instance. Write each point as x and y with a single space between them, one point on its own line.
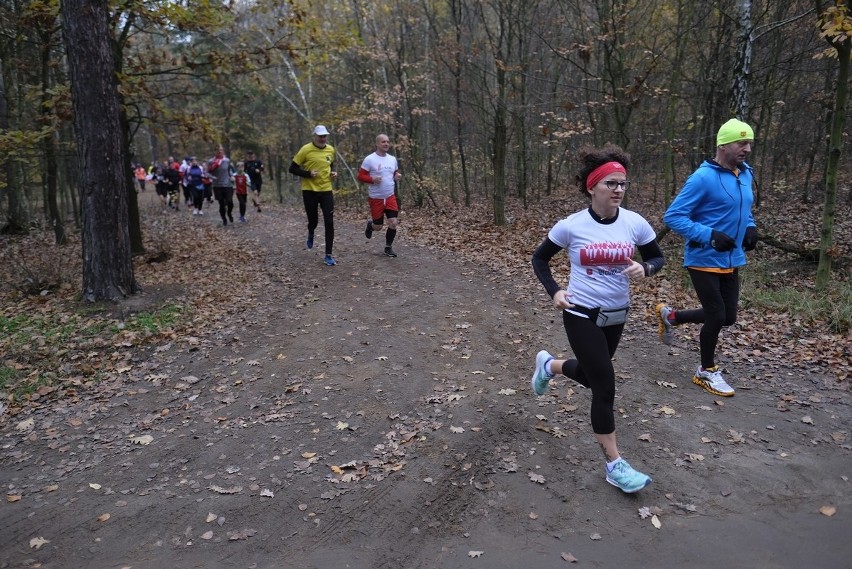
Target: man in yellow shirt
314 163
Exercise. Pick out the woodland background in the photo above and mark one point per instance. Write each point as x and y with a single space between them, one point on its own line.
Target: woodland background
485 101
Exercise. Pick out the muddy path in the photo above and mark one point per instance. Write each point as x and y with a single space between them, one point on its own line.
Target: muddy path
377 414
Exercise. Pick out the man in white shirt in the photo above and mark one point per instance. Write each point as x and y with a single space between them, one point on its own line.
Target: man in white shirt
381 171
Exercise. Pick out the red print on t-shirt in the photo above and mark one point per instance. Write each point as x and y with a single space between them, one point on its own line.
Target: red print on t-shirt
607 253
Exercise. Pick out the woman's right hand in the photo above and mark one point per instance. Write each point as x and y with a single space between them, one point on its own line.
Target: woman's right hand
560 299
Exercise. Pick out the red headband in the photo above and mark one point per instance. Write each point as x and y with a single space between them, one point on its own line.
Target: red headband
602 172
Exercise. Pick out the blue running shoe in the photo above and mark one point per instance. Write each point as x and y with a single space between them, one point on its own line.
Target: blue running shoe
329 260
310 242
541 377
625 478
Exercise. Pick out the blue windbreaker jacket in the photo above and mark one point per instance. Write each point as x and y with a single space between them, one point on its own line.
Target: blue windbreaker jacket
713 198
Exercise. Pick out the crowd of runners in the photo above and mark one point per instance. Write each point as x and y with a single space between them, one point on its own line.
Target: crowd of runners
193 182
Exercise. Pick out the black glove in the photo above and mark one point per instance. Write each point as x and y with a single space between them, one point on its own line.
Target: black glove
750 239
721 242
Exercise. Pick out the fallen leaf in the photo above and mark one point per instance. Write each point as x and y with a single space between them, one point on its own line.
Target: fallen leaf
536 477
142 440
735 436
382 358
231 490
252 363
103 517
308 454
694 457
211 517
645 437
475 553
595 537
37 542
828 511
507 392
13 497
241 534
568 557
25 425
667 410
456 429
668 384
644 512
533 516
807 420
656 521
207 535
266 493
341 426
94 486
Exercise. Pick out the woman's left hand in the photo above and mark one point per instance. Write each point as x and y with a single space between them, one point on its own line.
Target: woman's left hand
634 271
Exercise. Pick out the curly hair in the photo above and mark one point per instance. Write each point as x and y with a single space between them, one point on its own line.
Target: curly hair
590 158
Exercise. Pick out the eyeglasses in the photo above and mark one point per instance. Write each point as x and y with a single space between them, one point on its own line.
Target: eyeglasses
612 184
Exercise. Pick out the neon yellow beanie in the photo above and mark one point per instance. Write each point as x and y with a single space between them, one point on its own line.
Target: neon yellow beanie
732 131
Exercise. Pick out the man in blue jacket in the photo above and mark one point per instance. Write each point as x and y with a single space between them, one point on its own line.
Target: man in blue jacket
713 214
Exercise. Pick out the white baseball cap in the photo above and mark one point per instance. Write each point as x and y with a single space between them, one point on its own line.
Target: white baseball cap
320 130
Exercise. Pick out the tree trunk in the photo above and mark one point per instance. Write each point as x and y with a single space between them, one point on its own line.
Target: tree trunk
51 170
501 140
101 152
826 243
744 57
16 216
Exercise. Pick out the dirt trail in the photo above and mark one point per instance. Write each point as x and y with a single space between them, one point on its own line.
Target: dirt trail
377 414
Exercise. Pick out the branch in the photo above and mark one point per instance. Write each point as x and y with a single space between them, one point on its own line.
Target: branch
808 255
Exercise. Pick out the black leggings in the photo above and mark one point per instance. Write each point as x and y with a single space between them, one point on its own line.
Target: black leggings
325 201
718 294
225 197
242 198
594 348
197 198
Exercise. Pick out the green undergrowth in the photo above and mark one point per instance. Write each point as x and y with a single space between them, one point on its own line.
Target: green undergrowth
766 286
53 351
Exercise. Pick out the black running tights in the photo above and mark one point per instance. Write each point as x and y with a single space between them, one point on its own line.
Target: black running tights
325 201
594 348
225 197
718 294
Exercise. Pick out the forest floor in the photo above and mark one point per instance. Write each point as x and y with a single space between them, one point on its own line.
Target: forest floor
378 414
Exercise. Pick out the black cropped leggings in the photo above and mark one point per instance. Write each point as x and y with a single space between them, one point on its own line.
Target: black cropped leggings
594 348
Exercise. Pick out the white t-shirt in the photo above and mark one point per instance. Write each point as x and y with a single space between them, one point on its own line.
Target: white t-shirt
383 166
598 252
